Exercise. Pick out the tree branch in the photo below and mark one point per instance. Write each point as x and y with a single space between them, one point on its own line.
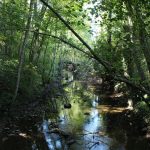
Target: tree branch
101 61
106 64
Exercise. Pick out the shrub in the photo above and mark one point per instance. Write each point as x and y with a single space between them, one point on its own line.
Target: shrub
29 84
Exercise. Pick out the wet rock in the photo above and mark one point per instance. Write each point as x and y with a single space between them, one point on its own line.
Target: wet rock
87 113
67 106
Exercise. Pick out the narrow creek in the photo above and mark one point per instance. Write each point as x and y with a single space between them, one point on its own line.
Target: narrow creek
90 124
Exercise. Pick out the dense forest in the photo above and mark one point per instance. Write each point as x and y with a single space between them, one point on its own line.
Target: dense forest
47 45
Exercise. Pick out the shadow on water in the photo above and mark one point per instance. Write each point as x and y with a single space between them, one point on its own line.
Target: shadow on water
90 124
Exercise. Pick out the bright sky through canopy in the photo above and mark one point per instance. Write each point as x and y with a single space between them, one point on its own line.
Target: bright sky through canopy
95 27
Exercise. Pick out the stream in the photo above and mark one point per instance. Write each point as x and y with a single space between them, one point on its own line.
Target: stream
90 124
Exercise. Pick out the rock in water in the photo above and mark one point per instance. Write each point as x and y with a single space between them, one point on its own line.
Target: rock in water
67 106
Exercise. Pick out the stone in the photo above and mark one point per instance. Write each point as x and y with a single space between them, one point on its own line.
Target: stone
67 106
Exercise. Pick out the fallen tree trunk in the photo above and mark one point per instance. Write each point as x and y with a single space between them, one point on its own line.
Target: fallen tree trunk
107 65
103 62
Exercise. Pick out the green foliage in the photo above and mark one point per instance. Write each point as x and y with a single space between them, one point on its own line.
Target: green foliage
8 74
30 81
118 41
142 111
12 15
141 108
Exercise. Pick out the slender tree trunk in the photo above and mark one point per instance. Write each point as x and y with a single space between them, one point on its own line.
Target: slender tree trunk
33 46
109 28
133 52
143 37
35 39
43 70
22 50
137 56
144 46
115 75
128 56
39 48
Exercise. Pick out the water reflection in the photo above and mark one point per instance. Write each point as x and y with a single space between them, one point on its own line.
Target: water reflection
53 140
89 123
83 120
92 128
47 135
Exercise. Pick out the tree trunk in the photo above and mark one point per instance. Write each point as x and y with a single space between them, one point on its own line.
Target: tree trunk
43 38
115 75
140 27
34 43
22 49
143 37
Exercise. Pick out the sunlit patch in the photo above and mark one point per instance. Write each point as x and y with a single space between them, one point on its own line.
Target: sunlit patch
24 135
145 96
110 109
148 136
130 104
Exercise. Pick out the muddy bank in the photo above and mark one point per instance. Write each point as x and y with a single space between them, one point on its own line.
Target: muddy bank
19 126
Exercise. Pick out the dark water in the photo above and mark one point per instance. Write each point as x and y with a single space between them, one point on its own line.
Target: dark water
90 124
